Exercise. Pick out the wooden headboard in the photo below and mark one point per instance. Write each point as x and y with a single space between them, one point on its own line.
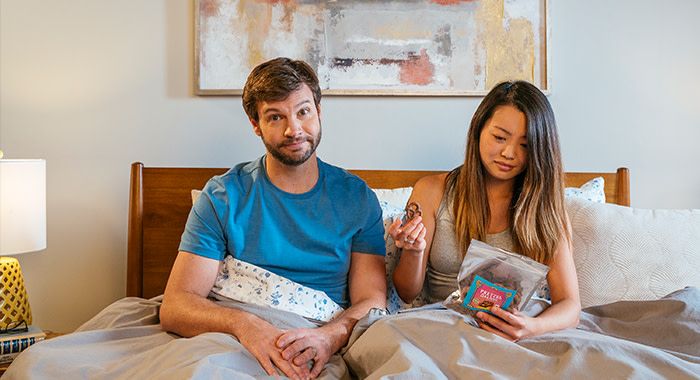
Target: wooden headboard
159 202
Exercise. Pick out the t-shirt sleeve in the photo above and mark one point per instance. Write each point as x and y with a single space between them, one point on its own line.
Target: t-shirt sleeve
204 231
370 238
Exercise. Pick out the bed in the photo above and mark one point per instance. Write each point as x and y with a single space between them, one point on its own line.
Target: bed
658 337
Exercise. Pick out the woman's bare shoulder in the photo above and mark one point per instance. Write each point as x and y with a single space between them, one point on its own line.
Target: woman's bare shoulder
430 188
432 182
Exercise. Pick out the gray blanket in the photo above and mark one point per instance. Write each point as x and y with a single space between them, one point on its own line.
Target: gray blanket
622 340
125 341
651 339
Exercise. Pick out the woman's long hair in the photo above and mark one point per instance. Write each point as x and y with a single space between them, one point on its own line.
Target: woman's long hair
538 220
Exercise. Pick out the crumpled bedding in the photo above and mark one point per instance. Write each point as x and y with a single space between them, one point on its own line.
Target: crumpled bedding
626 340
125 341
623 340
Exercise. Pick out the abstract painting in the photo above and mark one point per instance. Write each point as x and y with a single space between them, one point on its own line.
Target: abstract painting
375 47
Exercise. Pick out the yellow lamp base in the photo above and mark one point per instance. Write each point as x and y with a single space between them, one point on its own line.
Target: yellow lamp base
14 302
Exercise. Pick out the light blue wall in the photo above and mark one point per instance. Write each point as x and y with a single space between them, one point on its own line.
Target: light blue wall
92 85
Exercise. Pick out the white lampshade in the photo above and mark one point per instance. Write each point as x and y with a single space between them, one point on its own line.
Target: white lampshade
22 206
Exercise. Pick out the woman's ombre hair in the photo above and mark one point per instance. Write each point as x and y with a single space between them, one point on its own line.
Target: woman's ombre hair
537 219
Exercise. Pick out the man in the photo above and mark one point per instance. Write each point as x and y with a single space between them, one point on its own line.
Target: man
290 213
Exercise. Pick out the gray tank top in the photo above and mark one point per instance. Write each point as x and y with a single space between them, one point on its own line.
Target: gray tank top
446 257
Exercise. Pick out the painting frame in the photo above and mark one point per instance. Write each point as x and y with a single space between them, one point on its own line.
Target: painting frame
542 53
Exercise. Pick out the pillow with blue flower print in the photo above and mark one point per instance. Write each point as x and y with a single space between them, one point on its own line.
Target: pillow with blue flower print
593 191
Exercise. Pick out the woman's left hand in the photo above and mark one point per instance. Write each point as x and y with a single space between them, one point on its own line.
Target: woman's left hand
512 326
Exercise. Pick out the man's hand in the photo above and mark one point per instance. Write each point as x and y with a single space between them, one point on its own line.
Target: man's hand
187 312
259 338
301 345
367 288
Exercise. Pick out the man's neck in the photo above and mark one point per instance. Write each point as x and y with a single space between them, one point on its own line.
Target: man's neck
292 179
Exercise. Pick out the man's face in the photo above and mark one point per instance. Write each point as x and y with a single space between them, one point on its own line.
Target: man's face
290 128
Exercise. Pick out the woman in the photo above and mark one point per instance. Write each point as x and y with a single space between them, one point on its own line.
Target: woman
509 193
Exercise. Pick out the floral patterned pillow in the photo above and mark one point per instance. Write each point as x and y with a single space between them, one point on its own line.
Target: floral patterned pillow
392 202
389 214
245 282
593 190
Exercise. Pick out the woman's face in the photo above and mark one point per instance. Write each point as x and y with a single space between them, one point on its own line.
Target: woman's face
503 144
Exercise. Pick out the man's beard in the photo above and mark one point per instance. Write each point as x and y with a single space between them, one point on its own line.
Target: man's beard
289 160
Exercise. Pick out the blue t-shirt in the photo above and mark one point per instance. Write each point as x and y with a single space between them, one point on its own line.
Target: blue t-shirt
305 237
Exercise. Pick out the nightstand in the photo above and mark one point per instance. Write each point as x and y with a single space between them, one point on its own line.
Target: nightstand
49 335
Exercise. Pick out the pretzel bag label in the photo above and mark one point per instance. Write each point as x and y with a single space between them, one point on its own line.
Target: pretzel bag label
483 294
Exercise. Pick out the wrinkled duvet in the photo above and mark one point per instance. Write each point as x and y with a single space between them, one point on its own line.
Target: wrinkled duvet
629 339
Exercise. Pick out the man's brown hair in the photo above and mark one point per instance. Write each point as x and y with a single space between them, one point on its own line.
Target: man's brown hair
274 80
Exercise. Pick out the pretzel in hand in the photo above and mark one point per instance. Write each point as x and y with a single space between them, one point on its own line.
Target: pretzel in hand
412 210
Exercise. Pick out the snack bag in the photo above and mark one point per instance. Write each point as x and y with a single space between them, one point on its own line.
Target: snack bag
491 276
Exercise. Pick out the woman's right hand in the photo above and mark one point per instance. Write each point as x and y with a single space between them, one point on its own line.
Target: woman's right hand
410 236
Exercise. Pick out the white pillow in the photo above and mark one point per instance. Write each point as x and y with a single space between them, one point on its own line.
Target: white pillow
195 194
392 202
623 253
395 197
593 190
389 214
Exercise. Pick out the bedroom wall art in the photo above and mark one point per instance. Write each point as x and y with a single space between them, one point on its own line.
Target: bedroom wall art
384 47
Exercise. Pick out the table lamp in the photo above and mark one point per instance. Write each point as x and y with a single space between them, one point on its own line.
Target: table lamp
22 229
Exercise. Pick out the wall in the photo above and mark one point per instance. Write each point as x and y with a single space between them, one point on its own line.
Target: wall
93 85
